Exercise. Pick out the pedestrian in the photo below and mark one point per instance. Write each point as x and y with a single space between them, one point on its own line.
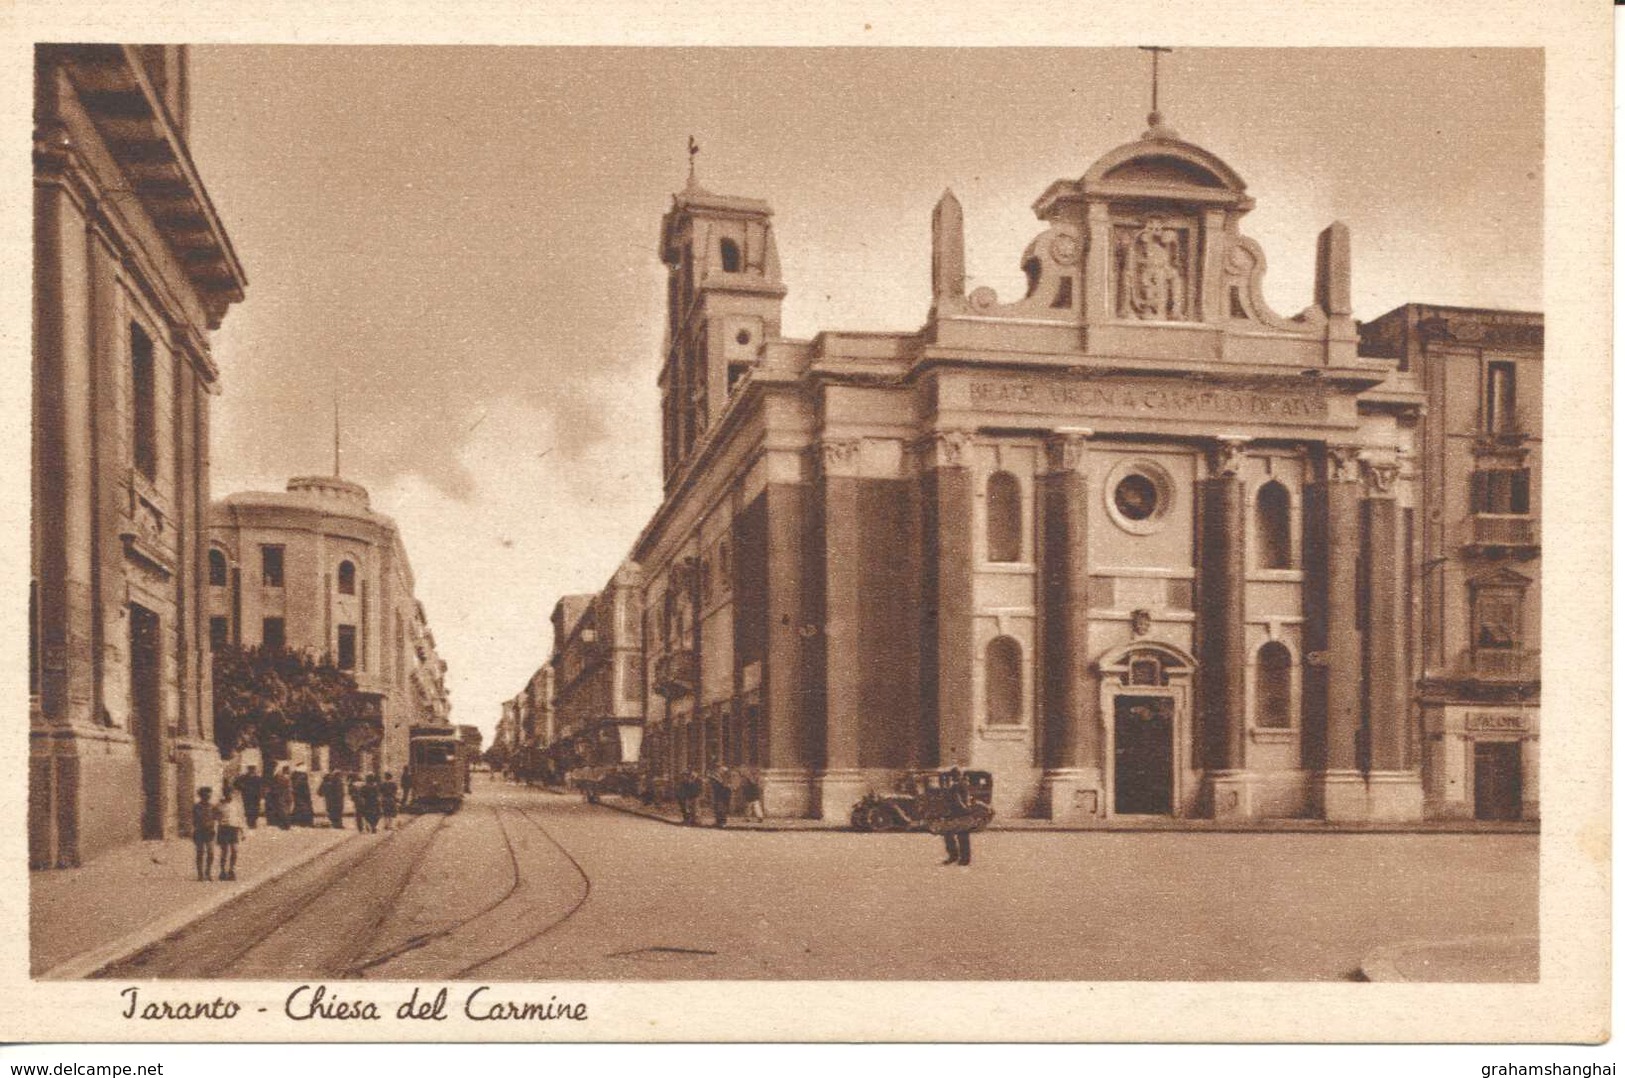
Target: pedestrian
688 796
956 823
751 791
406 786
721 795
389 800
370 807
229 832
279 811
332 794
304 812
252 787
355 802
203 824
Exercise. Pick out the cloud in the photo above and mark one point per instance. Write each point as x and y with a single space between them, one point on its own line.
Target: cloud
533 525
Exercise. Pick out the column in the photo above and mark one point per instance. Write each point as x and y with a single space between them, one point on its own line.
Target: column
1072 784
1338 652
839 783
1222 585
785 683
1394 787
947 652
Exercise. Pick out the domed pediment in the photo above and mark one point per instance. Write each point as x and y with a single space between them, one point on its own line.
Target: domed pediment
1162 163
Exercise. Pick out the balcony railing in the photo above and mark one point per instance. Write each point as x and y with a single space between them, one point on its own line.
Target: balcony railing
674 673
1501 664
1495 533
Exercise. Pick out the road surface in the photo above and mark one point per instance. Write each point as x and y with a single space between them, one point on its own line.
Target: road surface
528 885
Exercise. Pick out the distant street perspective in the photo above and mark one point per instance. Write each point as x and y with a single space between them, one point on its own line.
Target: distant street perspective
529 884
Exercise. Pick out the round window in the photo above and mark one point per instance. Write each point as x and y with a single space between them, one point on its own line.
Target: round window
1139 495
1136 497
743 337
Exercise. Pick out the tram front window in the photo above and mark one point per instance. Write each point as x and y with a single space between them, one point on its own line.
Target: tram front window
434 754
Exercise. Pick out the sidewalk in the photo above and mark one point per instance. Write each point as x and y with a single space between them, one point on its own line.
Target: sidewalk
81 919
666 813
1475 960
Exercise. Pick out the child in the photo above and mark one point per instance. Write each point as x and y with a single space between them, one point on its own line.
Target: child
203 821
231 829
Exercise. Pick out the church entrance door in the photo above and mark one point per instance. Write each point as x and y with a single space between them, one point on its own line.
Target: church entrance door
1143 776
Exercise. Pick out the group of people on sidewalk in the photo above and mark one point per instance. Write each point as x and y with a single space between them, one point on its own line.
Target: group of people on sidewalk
725 785
371 800
284 797
284 800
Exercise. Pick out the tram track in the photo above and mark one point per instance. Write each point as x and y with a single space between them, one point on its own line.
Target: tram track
295 902
424 939
221 946
575 908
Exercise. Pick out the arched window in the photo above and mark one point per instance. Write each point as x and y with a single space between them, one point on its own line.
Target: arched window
668 621
217 569
730 256
1003 517
1003 682
346 578
1274 709
1274 526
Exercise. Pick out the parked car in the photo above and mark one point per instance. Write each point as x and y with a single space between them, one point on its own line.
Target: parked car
924 800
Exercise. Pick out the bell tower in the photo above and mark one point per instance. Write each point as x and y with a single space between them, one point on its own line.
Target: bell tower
723 300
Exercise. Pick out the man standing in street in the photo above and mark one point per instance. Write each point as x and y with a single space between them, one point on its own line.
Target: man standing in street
332 792
955 826
252 787
388 801
721 795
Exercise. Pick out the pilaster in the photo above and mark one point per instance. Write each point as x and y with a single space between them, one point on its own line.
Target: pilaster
947 644
1337 658
842 548
1394 786
1073 786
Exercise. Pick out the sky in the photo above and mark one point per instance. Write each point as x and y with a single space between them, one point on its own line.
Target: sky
460 244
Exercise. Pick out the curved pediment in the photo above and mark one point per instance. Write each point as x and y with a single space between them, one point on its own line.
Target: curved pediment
1170 171
1163 163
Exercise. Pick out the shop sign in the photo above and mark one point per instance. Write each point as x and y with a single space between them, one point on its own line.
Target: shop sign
1492 722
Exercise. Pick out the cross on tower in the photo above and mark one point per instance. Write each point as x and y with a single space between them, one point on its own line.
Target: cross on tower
1155 51
693 150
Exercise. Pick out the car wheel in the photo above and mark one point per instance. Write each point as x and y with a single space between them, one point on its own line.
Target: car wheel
880 818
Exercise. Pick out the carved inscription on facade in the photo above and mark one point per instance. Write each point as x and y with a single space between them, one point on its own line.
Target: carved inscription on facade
1148 400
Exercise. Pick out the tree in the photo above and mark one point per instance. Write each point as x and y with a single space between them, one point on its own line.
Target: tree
264 697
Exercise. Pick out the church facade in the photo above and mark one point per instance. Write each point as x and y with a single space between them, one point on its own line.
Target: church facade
1134 543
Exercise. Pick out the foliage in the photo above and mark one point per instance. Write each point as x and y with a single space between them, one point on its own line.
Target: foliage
496 757
266 696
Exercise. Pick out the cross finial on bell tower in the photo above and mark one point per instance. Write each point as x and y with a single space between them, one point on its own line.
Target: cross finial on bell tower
1158 129
693 152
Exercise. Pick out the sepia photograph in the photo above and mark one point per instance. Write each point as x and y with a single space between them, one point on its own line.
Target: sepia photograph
508 519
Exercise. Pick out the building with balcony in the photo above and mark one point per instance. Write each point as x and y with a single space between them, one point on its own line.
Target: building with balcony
315 568
132 270
1478 598
597 677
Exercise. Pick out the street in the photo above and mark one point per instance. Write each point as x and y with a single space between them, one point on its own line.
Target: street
523 884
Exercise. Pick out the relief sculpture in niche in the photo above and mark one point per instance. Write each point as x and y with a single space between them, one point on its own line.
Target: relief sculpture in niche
1151 273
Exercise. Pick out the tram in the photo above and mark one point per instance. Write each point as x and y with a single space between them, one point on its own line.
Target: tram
439 762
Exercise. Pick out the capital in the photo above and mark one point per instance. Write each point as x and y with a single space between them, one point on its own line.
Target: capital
1342 463
1065 448
1226 454
839 456
1380 476
945 449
